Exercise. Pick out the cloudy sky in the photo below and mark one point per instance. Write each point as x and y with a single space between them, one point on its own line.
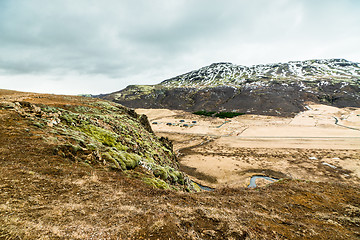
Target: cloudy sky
101 46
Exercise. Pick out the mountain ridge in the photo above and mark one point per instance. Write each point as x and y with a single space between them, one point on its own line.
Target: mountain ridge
268 89
232 74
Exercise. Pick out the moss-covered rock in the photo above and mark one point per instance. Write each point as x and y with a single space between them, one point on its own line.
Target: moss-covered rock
98 132
114 163
161 172
157 183
105 137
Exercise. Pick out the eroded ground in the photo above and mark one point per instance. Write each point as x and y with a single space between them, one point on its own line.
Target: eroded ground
310 146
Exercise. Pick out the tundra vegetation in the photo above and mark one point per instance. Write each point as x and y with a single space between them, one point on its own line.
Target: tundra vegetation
84 168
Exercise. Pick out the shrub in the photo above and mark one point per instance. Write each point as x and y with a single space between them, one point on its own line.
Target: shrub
219 114
228 114
204 113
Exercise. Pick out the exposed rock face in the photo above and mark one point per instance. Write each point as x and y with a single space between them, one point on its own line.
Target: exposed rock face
272 89
145 122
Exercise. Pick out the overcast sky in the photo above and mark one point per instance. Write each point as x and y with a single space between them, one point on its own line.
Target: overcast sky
101 46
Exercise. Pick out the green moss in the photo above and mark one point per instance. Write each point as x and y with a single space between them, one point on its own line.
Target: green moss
161 172
103 105
126 160
91 146
83 109
39 124
106 129
157 183
196 187
49 109
166 150
68 117
130 160
112 161
121 147
168 173
176 177
105 137
148 158
175 188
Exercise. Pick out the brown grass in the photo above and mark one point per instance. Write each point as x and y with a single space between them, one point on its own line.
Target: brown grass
46 196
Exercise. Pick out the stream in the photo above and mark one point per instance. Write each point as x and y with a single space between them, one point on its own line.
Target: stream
337 123
205 188
253 180
251 185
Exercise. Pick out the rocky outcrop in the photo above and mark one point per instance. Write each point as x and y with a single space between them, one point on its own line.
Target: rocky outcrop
98 132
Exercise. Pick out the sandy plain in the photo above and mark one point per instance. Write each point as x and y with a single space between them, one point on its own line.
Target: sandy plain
320 144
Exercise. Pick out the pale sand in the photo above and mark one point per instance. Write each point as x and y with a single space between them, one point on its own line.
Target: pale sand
296 147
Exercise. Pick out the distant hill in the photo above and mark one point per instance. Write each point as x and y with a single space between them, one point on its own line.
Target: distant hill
270 89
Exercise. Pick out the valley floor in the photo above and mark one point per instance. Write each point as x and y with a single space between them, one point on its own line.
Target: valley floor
321 144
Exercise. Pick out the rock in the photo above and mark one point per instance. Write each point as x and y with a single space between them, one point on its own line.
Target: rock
7 105
25 104
36 109
210 232
167 143
145 122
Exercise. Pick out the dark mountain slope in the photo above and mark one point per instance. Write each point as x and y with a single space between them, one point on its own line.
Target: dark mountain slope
272 89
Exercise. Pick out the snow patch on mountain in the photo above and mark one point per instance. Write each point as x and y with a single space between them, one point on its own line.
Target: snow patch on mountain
229 74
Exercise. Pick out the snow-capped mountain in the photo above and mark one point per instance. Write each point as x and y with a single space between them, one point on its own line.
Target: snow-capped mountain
271 89
228 74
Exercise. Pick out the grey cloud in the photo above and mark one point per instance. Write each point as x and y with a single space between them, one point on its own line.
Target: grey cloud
146 41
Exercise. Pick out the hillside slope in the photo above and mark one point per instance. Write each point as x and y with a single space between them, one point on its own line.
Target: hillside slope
95 133
82 168
271 89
